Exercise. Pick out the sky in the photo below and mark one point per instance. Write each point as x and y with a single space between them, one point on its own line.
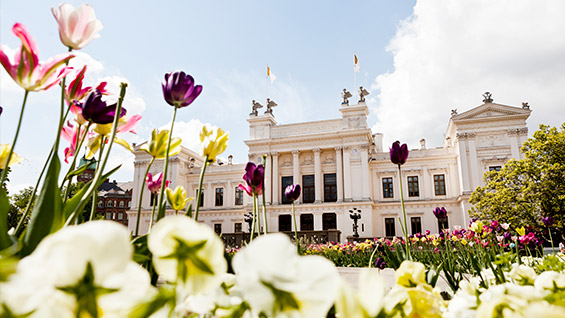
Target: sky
419 59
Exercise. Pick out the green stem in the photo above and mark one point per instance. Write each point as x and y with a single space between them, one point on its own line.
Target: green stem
254 217
161 212
551 239
372 255
95 193
141 197
264 200
405 226
199 193
5 169
295 229
75 155
152 215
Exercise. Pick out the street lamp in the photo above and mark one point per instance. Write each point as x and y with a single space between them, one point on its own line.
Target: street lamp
355 215
248 218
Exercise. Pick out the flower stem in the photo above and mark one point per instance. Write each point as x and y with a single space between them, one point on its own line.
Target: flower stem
264 199
405 226
254 216
5 169
141 197
161 212
295 229
372 255
551 239
152 215
95 193
62 114
199 193
75 155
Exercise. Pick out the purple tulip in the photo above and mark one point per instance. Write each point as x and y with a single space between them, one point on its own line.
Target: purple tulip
292 192
507 236
1 109
398 153
380 263
96 110
548 221
253 178
179 89
440 213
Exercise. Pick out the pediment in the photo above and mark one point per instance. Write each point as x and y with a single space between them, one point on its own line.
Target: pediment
491 110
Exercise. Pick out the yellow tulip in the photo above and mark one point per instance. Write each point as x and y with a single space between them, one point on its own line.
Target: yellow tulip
521 231
177 198
410 274
4 152
213 142
157 145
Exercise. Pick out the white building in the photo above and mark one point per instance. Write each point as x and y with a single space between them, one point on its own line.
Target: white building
342 165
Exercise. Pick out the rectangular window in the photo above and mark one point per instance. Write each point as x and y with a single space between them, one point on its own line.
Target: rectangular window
108 215
120 216
329 221
439 184
286 181
237 228
306 222
219 196
330 187
387 188
416 223
218 228
442 223
201 197
284 223
308 192
413 190
390 228
494 168
238 196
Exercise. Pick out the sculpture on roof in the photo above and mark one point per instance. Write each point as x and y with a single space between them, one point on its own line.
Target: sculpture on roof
525 105
454 112
362 93
345 95
255 106
487 98
270 105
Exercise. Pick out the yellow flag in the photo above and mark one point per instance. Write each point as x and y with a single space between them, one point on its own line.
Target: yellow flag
356 67
271 75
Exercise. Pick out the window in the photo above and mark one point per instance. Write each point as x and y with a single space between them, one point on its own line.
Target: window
387 188
390 228
108 215
100 204
237 227
308 192
120 216
238 196
219 196
153 200
201 197
284 223
416 224
439 184
129 204
109 204
218 228
413 190
306 222
286 181
494 168
442 223
330 187
329 221
121 204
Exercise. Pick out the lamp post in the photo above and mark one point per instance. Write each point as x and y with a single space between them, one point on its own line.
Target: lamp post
355 215
248 218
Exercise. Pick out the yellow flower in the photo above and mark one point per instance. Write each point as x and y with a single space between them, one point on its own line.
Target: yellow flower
4 152
477 227
410 274
177 198
464 241
213 142
157 145
521 231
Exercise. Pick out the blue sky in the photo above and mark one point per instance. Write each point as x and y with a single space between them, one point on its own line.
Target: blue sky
419 59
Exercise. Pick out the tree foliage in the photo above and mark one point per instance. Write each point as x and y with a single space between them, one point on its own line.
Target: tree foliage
526 190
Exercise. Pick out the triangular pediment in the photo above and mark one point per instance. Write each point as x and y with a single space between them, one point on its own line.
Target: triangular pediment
491 110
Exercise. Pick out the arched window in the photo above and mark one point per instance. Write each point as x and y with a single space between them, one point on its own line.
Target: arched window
121 204
101 203
109 204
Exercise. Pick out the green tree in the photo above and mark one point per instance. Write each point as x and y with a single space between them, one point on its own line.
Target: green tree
18 204
526 190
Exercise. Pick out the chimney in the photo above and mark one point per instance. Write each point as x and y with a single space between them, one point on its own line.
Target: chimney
230 160
422 144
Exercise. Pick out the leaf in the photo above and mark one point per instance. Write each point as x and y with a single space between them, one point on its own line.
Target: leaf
47 214
77 171
5 240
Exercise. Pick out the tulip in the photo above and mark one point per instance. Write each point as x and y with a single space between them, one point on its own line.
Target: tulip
398 153
77 27
253 178
1 109
96 110
177 198
26 70
440 213
70 133
292 192
154 182
380 263
548 221
179 89
213 142
157 145
4 151
75 92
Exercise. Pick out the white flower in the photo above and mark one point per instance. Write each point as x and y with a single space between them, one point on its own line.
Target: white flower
276 281
410 274
96 254
523 274
506 300
188 253
549 280
77 27
367 302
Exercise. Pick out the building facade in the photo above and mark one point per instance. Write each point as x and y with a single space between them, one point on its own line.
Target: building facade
342 166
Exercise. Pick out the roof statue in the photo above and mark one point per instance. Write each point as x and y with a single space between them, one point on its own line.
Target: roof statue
362 93
270 105
254 108
345 95
488 98
525 105
454 112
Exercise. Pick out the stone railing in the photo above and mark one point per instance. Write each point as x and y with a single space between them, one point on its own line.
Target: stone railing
238 239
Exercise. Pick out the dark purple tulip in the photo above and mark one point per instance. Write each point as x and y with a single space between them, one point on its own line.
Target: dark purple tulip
440 213
253 178
292 192
398 153
380 263
548 221
94 109
1 109
507 236
179 89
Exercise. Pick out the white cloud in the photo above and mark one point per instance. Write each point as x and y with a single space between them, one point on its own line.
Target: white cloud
189 132
450 52
132 102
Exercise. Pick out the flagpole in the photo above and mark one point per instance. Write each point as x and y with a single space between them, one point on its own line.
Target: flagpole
355 76
267 85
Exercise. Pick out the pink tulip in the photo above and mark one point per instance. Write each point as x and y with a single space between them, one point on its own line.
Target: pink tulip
75 92
154 182
25 68
71 133
77 27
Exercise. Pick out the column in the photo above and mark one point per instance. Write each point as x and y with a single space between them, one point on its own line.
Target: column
276 179
365 172
514 143
267 190
463 164
346 174
317 176
209 195
229 195
318 222
296 169
339 174
473 162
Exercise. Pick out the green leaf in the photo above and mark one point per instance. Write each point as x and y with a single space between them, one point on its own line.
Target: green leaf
5 240
47 214
77 171
283 299
165 296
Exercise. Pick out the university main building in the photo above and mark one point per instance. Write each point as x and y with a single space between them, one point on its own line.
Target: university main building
342 166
